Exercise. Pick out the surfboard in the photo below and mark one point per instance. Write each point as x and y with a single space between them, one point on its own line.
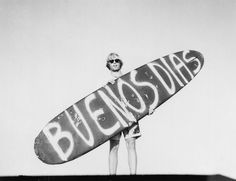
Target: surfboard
107 111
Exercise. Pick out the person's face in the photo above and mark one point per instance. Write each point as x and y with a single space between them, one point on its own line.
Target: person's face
115 65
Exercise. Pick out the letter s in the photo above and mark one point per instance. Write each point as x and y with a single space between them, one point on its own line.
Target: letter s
192 59
146 84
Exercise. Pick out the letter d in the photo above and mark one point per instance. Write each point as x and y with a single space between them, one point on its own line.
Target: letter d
55 138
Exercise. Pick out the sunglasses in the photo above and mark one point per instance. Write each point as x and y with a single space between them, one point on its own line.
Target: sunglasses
116 60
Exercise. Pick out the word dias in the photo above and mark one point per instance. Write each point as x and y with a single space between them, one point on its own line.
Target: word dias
115 106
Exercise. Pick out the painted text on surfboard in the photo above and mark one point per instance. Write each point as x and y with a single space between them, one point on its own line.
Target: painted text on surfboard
112 108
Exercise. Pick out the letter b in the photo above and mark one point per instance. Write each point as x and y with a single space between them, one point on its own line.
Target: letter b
55 138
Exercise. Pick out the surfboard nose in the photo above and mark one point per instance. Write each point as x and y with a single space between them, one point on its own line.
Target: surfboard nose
42 151
195 60
199 56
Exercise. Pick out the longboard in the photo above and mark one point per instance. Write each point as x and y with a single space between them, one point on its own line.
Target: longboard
107 111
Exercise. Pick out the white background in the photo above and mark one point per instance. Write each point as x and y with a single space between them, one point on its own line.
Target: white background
53 53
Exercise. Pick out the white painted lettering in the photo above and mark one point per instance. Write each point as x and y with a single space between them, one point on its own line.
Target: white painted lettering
179 66
124 110
195 59
97 113
171 71
146 84
142 108
90 140
55 138
170 89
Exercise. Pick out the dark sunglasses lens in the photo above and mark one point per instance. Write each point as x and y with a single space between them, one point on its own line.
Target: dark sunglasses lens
116 60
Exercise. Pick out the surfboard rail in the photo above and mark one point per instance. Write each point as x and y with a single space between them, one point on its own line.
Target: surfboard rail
99 116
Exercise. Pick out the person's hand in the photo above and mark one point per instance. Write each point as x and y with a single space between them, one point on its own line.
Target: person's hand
124 101
112 81
150 111
131 118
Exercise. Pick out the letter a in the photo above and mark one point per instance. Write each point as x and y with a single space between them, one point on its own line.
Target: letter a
179 66
55 138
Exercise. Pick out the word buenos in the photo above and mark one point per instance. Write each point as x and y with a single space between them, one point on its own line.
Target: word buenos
174 73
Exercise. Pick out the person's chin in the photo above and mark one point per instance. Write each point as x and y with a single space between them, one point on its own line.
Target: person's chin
115 70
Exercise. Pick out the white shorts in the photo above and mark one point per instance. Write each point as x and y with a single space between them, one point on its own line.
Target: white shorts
131 132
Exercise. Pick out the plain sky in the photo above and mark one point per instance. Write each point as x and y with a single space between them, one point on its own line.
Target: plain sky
53 53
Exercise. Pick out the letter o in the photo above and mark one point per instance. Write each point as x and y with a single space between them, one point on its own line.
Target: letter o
142 108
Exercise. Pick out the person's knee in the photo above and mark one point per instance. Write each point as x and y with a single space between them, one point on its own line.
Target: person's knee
114 145
115 148
131 143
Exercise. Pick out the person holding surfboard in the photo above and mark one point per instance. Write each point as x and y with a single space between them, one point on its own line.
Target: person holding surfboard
114 64
71 133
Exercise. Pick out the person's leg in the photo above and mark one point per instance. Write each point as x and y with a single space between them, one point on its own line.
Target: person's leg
132 155
113 155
